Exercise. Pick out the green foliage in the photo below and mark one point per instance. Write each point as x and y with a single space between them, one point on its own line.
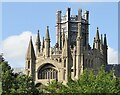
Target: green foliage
16 84
89 83
7 78
24 86
54 87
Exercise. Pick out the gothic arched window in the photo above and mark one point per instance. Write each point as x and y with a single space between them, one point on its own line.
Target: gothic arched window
48 71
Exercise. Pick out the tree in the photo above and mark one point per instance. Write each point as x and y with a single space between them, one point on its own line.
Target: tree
54 87
16 84
89 83
24 86
7 78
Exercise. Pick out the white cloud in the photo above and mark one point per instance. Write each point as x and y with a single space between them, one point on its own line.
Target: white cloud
112 56
15 47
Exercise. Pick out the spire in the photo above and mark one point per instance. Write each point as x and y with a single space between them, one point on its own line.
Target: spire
38 43
101 39
105 40
47 43
47 33
97 40
97 34
43 45
94 43
101 44
30 51
94 39
105 49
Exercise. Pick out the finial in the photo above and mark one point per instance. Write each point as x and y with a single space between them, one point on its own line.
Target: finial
94 39
47 27
104 35
38 30
101 36
68 9
58 11
86 11
105 39
97 28
97 34
47 33
80 10
30 37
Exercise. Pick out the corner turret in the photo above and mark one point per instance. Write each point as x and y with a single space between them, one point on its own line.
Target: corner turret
79 52
58 27
30 51
30 60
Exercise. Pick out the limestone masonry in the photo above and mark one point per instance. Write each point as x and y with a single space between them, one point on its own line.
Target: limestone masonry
71 53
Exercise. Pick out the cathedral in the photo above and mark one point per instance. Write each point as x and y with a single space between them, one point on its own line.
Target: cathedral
72 52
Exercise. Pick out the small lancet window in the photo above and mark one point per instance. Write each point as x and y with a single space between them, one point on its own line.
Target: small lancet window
60 60
28 64
65 63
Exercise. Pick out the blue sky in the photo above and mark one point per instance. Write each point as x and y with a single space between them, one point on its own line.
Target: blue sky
20 17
